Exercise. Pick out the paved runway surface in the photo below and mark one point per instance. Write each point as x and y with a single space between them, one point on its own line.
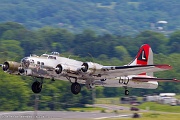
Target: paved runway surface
56 115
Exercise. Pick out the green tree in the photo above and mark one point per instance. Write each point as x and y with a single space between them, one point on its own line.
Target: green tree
121 52
174 42
10 26
156 40
47 35
12 48
14 93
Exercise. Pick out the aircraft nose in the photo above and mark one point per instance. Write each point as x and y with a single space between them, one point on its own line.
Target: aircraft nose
25 62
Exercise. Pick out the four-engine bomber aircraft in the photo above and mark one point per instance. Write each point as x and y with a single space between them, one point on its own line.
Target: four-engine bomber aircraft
136 74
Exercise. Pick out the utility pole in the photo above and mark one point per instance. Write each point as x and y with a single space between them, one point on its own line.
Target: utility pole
94 95
36 100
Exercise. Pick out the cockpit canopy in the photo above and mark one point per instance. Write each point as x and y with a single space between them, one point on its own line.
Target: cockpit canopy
55 53
50 55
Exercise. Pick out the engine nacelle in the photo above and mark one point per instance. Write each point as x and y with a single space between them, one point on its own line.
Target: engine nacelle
11 66
60 68
91 67
21 70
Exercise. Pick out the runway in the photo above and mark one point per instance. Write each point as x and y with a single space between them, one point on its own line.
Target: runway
57 115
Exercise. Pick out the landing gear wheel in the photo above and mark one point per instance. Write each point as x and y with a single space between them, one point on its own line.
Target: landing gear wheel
126 92
75 88
36 87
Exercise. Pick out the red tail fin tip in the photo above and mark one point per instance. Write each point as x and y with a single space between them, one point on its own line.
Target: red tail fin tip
143 57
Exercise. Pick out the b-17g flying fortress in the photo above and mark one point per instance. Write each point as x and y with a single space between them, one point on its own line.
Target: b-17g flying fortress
137 74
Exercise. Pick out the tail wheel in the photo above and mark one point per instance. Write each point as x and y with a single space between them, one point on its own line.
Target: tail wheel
126 92
75 88
36 87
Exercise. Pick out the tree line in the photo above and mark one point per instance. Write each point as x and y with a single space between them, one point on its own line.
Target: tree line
125 17
17 41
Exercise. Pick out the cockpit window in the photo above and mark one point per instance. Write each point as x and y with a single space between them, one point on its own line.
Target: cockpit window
31 61
52 57
42 63
55 53
24 59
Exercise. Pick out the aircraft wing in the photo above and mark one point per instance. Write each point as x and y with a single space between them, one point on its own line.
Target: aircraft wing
143 79
134 70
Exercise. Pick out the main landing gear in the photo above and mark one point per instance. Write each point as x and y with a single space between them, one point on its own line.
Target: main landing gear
75 88
37 86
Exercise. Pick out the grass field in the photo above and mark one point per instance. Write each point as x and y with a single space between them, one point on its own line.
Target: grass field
178 96
160 107
160 111
86 109
113 100
150 105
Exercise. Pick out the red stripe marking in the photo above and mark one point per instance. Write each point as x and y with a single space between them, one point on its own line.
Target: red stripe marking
164 66
146 49
142 74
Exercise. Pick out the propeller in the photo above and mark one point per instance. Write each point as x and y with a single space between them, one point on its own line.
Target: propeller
58 69
85 67
5 66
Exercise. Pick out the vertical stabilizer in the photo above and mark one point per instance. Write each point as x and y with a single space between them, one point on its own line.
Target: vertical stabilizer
143 57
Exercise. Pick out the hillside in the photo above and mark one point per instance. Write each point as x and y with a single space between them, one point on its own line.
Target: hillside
107 16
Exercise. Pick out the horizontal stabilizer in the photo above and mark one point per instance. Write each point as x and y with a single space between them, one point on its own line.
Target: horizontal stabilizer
144 79
163 66
135 69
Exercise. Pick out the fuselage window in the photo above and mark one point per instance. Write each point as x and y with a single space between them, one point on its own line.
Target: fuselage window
31 61
42 63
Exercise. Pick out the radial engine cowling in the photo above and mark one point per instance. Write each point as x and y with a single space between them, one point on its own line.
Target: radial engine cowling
60 68
11 66
91 68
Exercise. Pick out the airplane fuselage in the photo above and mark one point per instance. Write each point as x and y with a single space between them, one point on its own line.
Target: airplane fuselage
43 66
